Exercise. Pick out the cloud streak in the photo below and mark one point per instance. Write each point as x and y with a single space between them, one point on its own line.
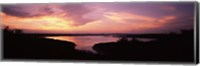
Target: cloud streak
99 17
73 12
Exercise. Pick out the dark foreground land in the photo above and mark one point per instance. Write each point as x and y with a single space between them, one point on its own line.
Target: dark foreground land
19 46
168 48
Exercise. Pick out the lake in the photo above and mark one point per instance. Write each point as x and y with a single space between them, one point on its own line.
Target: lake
85 42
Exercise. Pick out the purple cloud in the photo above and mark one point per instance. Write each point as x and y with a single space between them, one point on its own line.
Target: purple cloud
77 12
72 11
24 10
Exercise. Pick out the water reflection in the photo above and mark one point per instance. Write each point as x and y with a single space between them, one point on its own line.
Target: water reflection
85 42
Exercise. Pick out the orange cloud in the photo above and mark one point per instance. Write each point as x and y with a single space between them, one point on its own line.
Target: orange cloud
167 19
121 16
40 22
138 20
113 22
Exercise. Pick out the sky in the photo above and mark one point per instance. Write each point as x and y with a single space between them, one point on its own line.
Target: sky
126 17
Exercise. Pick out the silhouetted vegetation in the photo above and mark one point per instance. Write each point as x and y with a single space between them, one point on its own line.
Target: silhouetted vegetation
19 46
168 48
165 47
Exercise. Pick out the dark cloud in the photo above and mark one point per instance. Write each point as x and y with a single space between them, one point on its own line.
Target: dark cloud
24 10
14 11
74 11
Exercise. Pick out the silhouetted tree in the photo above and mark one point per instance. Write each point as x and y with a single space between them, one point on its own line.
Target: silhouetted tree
8 31
18 31
123 39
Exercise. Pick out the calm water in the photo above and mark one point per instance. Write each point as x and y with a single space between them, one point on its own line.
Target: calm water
85 42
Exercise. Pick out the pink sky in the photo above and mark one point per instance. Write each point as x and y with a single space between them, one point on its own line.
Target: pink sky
99 17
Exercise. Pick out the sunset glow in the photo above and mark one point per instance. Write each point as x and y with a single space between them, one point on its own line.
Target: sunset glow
117 31
98 18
